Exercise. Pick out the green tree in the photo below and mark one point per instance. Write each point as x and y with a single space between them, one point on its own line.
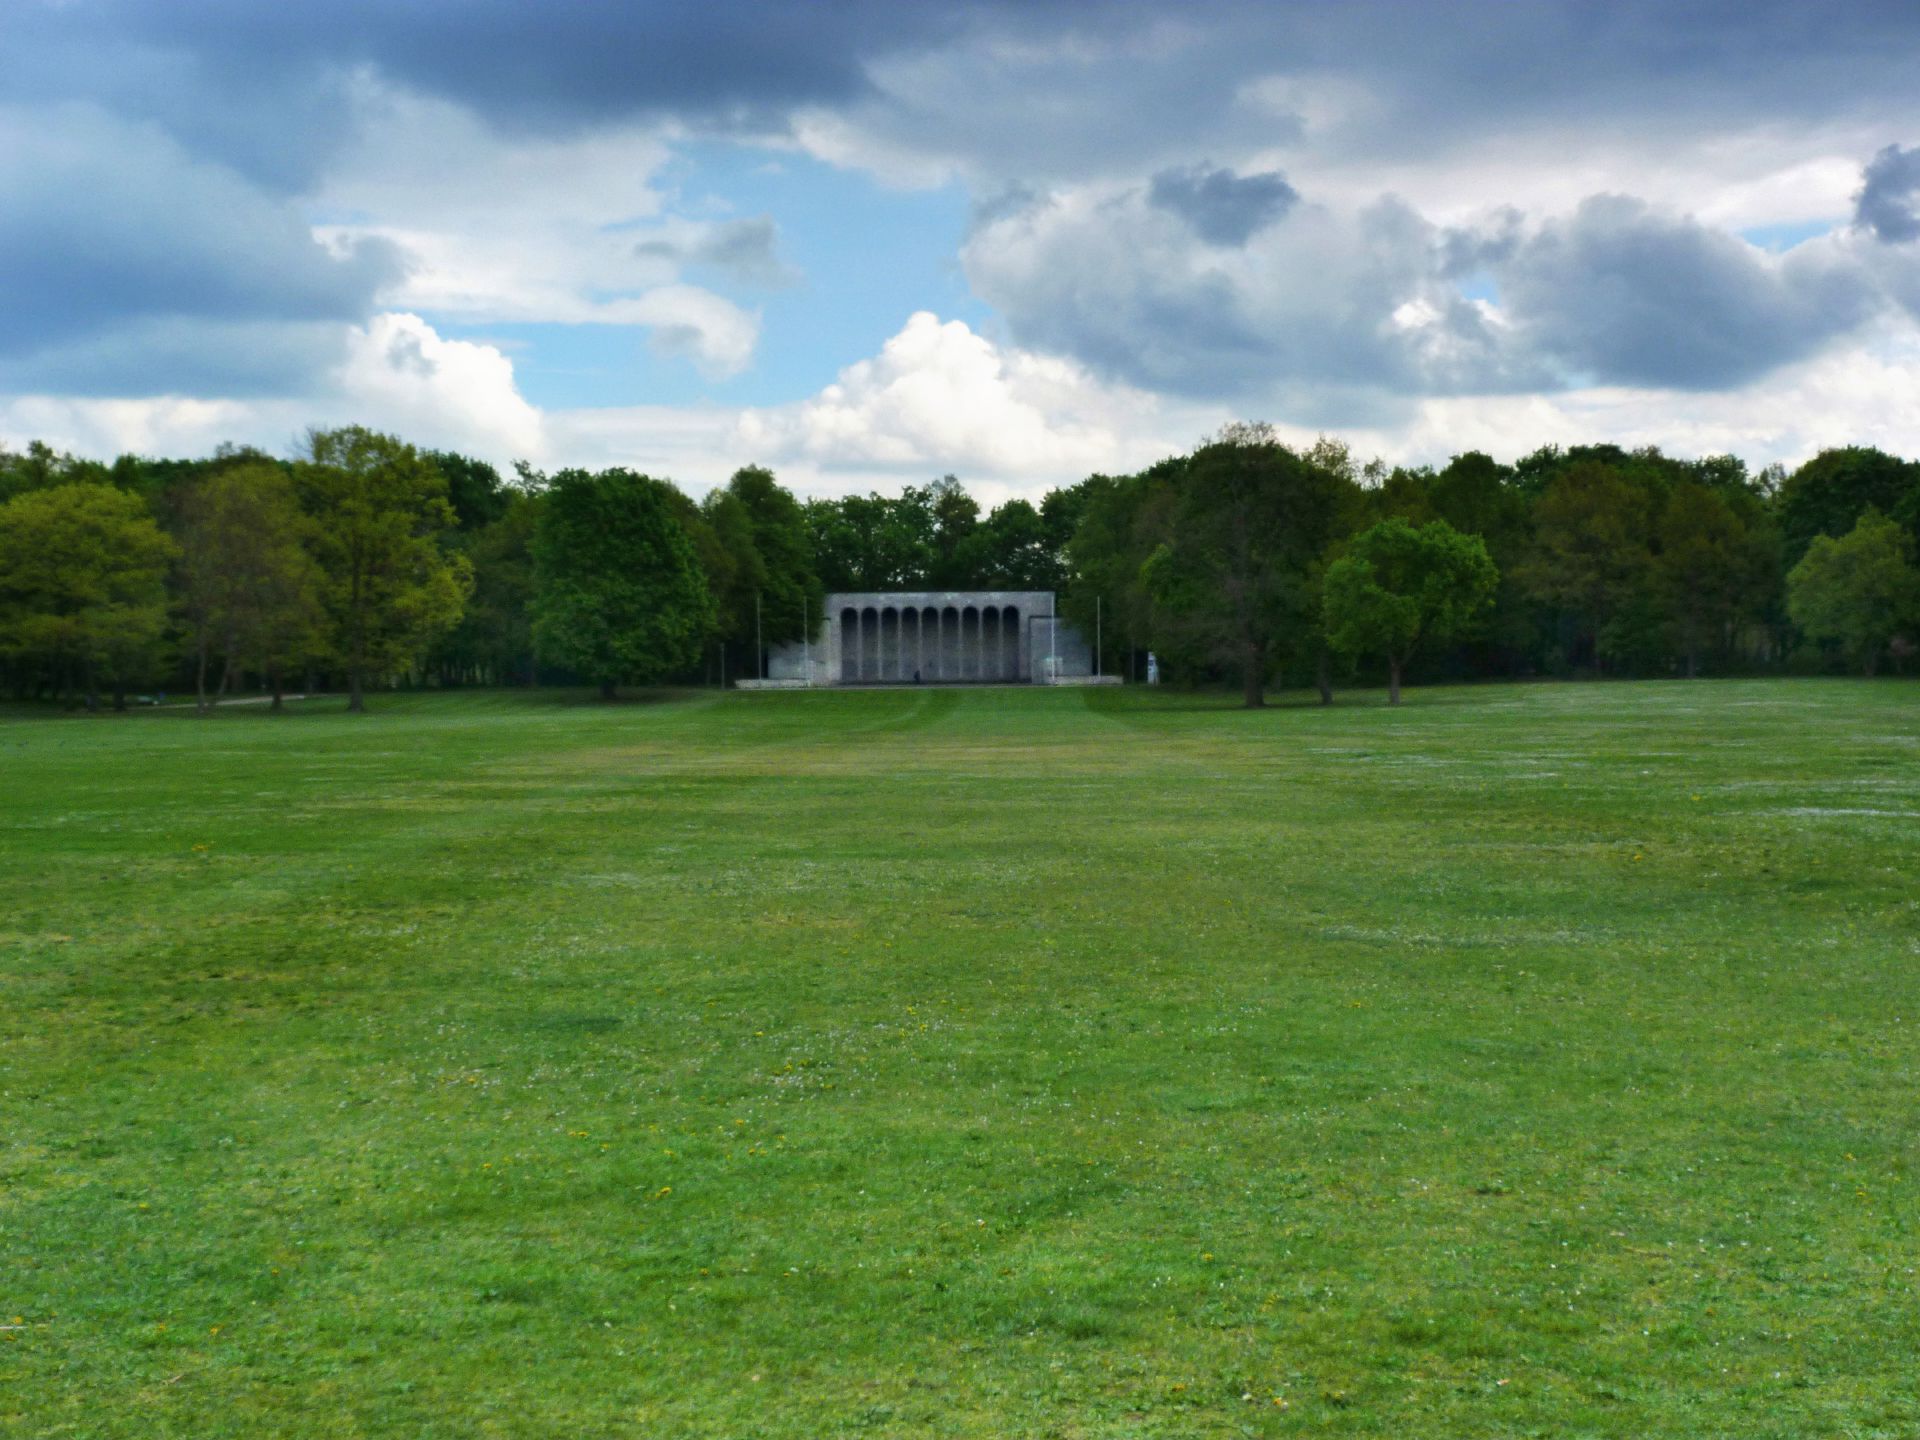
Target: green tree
1250 532
1829 494
1714 568
1592 554
1400 585
83 585
249 588
1010 550
956 520
1477 496
475 490
40 467
1858 592
1119 525
872 542
379 507
620 596
784 597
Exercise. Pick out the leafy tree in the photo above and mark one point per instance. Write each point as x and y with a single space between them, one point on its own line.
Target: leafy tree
620 596
722 537
494 639
872 542
1119 526
249 587
1477 496
956 520
1400 585
790 596
1252 526
1714 568
82 584
1859 591
474 489
40 467
1405 493
1829 494
379 508
1592 554
1010 550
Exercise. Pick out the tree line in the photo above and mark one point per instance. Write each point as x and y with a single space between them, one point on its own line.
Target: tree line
364 562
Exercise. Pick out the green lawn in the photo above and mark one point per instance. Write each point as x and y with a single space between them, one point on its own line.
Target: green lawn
1526 1061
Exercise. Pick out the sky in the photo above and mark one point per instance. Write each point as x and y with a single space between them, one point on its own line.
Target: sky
869 243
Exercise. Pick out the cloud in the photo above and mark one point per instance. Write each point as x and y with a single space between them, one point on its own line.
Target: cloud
939 397
1885 203
1339 318
745 250
123 258
435 392
1324 311
1624 294
394 373
1223 208
714 333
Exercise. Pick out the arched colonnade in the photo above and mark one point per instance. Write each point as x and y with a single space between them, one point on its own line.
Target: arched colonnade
940 642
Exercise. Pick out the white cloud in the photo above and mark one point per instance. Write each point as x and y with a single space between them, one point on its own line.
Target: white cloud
525 230
398 375
437 392
1858 396
939 397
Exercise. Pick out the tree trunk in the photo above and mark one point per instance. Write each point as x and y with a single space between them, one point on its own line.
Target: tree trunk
273 684
1255 677
1323 677
200 679
1393 679
607 690
356 700
226 678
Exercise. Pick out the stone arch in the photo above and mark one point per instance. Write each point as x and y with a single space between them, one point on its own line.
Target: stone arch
869 643
949 643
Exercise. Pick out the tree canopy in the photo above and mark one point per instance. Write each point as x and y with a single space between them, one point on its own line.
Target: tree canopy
620 597
379 507
83 572
1858 592
1399 585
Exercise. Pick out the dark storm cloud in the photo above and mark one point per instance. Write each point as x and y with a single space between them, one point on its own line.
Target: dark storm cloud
1223 208
1622 294
1888 191
186 125
1045 88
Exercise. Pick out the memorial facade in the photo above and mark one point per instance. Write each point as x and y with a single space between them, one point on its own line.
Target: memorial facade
936 637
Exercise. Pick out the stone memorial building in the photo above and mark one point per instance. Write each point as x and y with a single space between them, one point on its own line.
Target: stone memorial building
939 637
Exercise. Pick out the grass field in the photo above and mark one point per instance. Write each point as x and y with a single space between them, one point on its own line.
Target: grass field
1526 1061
